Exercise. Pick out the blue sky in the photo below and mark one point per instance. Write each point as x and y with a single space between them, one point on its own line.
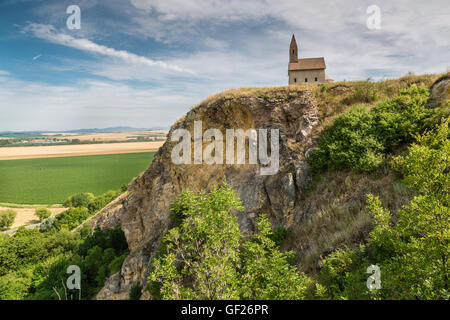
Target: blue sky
144 63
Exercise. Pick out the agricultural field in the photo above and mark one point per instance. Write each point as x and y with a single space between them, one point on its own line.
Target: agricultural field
108 136
52 180
77 150
27 139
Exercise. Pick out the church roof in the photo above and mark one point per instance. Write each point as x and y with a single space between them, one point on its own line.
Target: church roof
308 64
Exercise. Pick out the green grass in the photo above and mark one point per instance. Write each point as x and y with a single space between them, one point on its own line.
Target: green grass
52 180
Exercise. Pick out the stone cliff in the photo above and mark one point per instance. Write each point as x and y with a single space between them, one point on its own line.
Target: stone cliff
143 212
319 216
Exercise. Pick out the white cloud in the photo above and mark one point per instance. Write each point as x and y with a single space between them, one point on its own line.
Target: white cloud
40 106
414 35
49 33
227 44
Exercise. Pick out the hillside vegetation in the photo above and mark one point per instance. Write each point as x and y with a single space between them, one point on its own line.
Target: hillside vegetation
360 166
376 192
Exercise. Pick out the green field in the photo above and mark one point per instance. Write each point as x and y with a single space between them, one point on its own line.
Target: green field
52 180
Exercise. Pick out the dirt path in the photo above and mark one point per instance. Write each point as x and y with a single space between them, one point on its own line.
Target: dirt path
77 150
26 216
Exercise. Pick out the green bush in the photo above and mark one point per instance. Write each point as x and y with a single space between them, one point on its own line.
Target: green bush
343 275
97 203
99 255
7 218
72 218
364 92
206 257
412 245
83 205
47 224
42 213
279 235
360 139
349 144
135 292
79 200
30 246
400 119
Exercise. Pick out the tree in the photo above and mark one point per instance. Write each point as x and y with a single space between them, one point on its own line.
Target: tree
201 254
266 273
79 200
416 249
7 218
205 256
47 224
42 213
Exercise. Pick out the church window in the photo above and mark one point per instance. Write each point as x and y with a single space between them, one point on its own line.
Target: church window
306 79
315 79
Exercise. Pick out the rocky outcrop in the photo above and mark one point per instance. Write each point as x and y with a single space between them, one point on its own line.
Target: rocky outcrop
143 213
440 92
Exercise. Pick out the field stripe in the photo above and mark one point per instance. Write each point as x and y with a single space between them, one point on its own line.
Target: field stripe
16 153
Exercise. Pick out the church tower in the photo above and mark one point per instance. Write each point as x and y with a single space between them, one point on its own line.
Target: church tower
293 51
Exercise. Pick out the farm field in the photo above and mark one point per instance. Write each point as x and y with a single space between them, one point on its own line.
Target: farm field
107 136
78 150
52 180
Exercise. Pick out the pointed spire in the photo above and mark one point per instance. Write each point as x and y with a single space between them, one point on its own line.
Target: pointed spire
293 50
293 38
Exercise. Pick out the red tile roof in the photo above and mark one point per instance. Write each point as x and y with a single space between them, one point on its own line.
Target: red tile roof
308 64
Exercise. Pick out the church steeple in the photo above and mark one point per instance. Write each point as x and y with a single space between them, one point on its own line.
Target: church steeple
293 50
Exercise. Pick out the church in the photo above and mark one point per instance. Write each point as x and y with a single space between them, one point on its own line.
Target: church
306 70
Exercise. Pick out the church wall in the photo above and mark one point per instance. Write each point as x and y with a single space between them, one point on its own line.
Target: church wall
300 75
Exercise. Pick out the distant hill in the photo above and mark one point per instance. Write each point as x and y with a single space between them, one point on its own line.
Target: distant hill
92 130
114 129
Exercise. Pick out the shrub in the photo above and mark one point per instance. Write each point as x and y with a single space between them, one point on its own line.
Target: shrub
42 213
401 118
72 218
349 144
7 218
135 292
279 235
99 255
343 275
47 224
361 138
415 250
101 201
79 200
365 92
206 257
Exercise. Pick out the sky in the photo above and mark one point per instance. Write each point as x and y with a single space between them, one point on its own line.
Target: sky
144 63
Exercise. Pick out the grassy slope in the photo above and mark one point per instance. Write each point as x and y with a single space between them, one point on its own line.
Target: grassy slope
52 180
334 206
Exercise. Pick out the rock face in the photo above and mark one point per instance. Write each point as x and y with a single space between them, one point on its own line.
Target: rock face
143 213
440 91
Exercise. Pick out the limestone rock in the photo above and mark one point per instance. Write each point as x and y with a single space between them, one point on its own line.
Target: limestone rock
143 212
